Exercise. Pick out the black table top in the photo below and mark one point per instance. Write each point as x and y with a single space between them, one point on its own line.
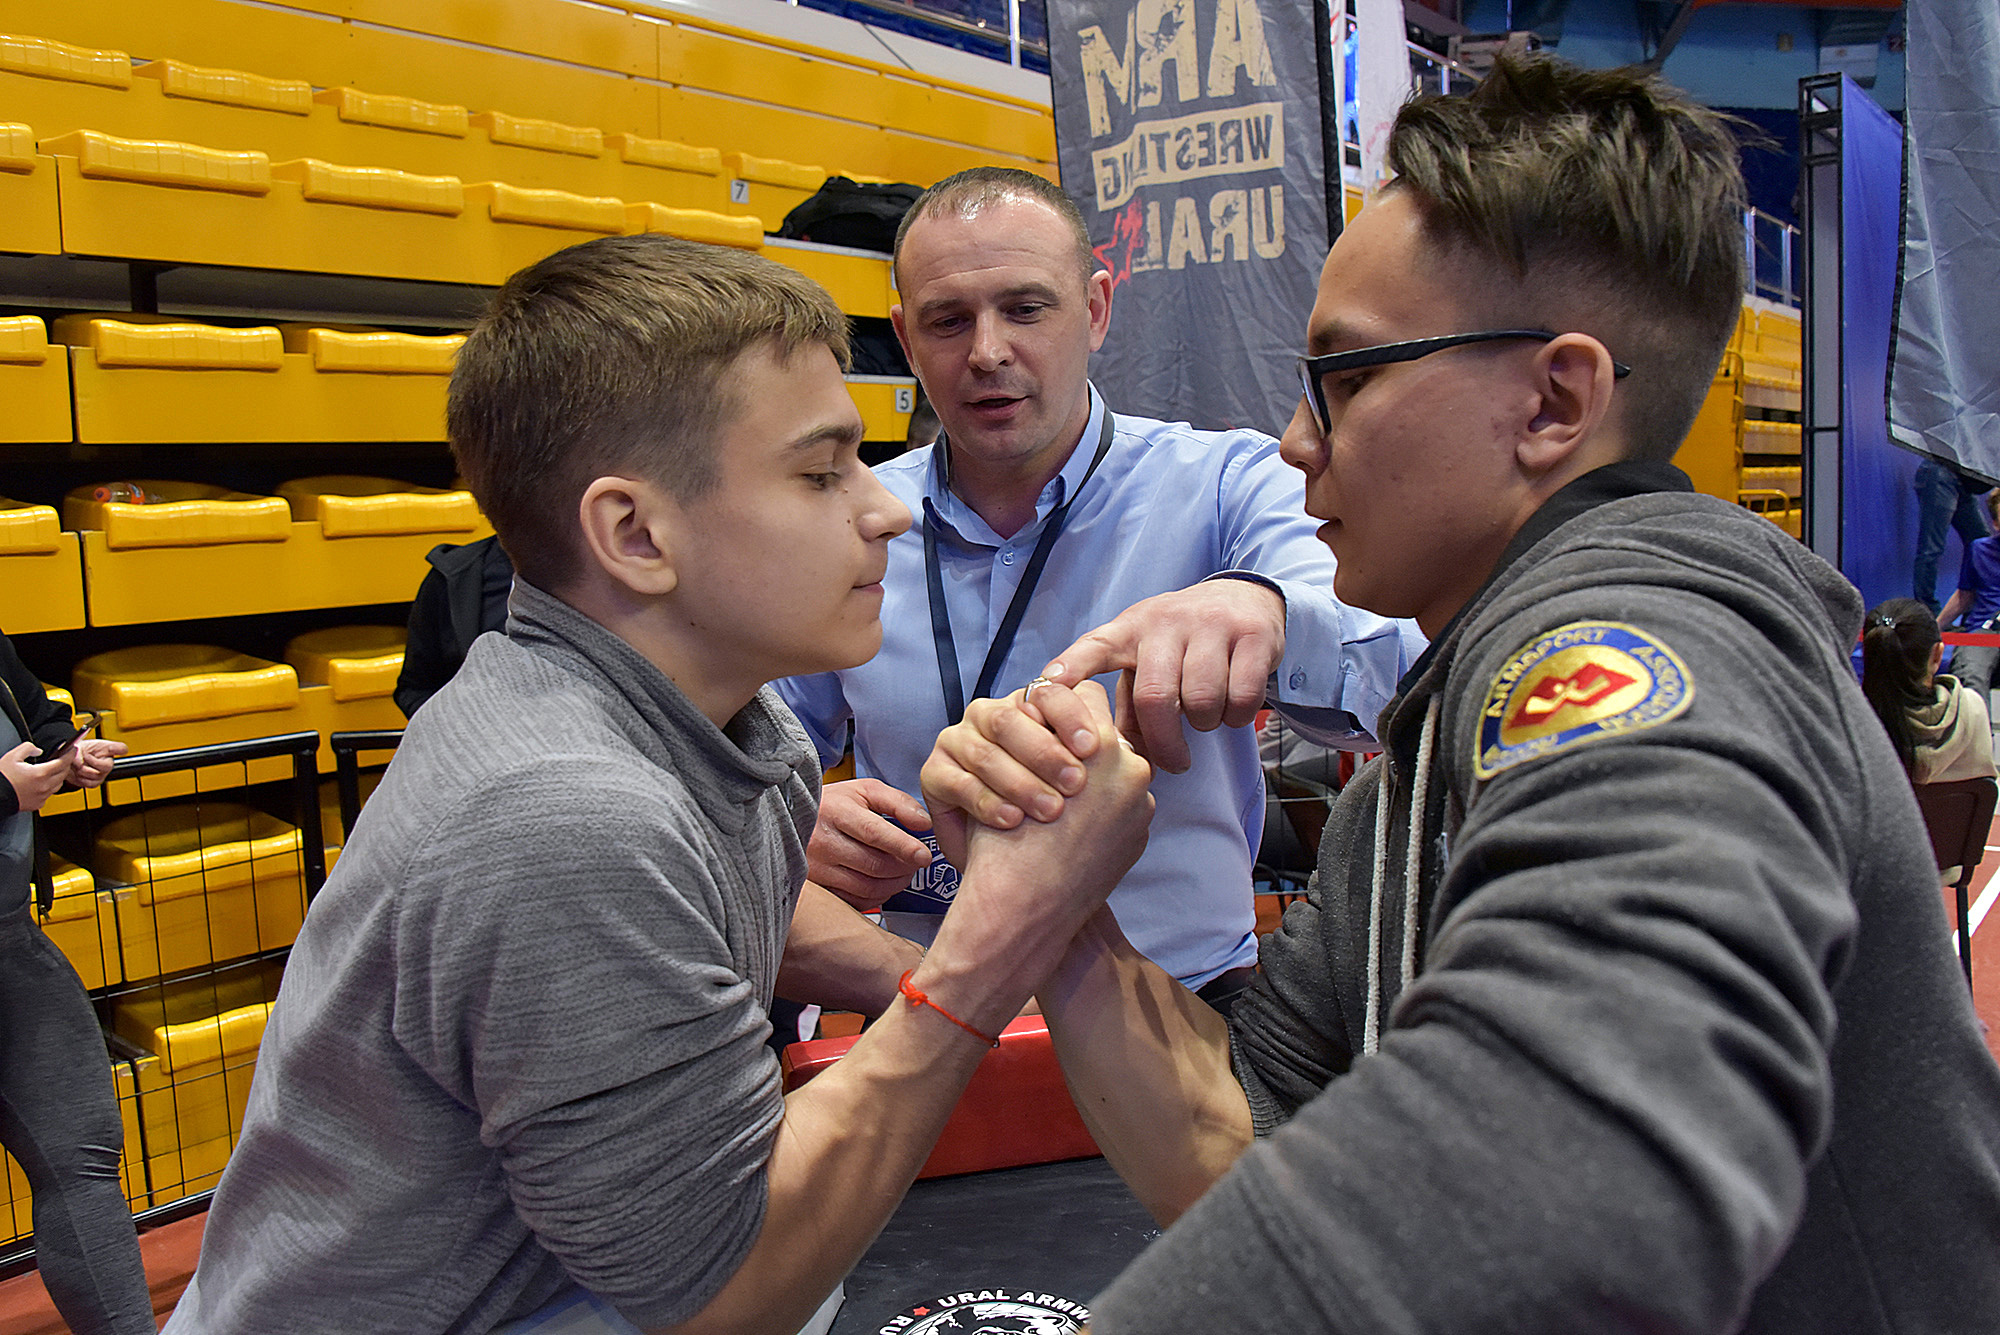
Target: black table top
1016 1250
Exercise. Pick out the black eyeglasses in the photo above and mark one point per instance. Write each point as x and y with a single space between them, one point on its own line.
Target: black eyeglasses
1313 371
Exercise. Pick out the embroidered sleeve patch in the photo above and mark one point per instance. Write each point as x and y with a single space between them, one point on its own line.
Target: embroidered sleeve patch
1579 682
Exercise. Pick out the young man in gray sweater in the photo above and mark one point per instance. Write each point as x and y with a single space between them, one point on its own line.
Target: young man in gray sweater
1624 999
518 1060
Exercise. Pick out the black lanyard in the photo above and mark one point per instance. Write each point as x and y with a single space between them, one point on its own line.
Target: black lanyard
1003 639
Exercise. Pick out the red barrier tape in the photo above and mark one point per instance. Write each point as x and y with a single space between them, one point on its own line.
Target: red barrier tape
1988 637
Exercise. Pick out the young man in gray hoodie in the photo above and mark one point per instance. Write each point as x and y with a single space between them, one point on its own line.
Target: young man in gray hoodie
1624 997
518 1065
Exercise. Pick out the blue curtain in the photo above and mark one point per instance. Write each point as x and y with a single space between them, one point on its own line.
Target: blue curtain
1879 510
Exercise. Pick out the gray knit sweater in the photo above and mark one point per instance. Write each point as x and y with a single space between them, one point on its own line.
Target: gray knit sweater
520 1042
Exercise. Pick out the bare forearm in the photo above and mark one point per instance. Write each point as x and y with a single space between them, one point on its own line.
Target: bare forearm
851 1141
854 1137
1147 1062
835 957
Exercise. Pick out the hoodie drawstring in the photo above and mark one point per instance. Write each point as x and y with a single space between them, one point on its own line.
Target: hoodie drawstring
1413 865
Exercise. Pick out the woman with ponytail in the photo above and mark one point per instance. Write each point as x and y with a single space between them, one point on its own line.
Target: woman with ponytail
1939 729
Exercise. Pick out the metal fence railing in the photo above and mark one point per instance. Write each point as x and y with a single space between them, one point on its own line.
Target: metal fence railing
1016 31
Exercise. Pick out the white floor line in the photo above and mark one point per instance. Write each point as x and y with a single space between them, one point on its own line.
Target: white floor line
1983 904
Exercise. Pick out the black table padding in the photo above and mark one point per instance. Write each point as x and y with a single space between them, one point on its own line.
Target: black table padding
1064 1229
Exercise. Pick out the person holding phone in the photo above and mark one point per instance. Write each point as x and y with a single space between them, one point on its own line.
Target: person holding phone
58 1111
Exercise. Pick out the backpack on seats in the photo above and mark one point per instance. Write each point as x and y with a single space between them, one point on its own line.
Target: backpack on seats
846 212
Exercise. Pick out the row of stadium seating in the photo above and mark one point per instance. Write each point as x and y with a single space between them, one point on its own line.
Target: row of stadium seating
1746 444
626 68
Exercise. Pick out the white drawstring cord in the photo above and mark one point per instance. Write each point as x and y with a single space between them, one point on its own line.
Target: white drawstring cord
1371 1025
1372 1018
1414 864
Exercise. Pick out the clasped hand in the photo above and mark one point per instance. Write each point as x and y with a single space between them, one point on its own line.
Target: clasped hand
1201 655
1198 657
1043 880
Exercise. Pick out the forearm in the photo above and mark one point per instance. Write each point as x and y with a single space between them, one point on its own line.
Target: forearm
839 959
1147 1063
851 1142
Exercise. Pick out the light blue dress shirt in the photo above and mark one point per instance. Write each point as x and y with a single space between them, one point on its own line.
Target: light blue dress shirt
1168 507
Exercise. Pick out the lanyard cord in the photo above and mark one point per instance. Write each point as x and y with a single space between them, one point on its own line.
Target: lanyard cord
949 675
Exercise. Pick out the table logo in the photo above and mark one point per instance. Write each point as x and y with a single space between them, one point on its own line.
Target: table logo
939 881
991 1312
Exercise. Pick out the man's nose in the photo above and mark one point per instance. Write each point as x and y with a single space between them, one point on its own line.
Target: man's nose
1302 446
882 515
990 347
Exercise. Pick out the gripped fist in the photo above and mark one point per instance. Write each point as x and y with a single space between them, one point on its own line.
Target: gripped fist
1061 870
1004 762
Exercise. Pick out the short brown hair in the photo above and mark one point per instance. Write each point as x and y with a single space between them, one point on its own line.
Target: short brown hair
611 357
1612 202
976 187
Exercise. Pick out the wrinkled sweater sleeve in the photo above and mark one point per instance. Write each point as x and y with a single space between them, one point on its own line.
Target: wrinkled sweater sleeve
583 996
1593 1109
1289 1034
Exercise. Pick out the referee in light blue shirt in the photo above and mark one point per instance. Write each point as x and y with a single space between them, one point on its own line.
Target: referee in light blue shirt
1042 515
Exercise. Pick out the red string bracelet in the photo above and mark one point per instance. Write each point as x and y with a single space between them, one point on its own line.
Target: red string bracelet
916 997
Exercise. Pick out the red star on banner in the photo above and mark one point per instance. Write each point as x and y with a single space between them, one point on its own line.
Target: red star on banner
1128 234
920 1311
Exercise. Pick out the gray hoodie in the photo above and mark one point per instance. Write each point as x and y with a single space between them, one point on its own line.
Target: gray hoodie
1648 1025
520 1044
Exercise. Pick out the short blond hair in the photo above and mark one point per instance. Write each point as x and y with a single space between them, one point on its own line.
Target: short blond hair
612 357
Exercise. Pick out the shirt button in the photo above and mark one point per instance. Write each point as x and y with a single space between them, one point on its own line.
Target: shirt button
1007 558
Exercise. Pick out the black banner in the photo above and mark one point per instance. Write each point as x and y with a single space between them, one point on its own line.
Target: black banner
1191 134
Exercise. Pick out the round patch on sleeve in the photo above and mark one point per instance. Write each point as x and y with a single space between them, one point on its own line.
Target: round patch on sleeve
1579 682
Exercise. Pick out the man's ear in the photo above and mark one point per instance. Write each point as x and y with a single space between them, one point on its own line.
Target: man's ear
1098 292
1573 383
631 530
902 335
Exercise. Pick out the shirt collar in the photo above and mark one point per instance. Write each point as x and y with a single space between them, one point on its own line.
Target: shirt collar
944 505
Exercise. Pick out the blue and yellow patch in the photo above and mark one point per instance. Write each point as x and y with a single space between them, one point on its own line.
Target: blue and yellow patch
1585 680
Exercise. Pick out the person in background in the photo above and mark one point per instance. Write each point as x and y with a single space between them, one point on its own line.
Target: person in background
1975 605
1939 729
1623 999
1049 526
1947 499
58 1109
463 595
